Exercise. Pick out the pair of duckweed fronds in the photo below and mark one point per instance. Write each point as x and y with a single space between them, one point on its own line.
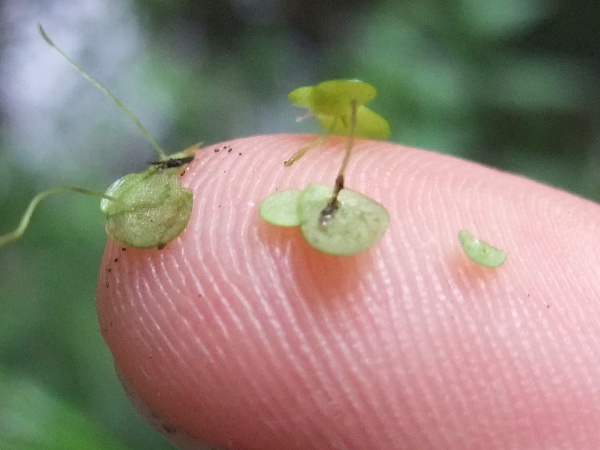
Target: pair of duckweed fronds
356 224
151 208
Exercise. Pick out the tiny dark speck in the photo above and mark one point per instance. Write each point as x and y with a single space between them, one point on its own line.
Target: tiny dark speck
229 151
240 154
124 249
169 429
217 150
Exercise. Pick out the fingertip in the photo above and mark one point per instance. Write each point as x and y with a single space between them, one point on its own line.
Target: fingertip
240 333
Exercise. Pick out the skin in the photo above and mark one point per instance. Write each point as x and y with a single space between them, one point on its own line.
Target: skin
240 335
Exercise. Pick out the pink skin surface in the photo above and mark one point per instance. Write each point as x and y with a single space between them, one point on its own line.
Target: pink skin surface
241 335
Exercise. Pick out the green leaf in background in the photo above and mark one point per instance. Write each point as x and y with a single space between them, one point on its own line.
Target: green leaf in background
33 419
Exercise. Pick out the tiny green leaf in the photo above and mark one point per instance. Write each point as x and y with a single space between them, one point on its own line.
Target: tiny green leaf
331 102
369 124
357 224
339 107
333 97
281 208
480 251
151 208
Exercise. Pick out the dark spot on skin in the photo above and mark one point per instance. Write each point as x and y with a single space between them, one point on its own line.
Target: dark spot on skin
229 151
217 150
109 270
116 259
240 154
124 249
169 429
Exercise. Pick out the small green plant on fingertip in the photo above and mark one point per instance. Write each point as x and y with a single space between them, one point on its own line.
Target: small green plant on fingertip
358 222
480 251
144 210
333 220
330 102
151 208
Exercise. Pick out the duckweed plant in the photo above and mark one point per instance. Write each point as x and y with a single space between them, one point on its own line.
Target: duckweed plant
333 219
480 251
144 210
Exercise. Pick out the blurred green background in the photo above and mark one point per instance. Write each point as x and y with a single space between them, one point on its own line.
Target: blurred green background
510 83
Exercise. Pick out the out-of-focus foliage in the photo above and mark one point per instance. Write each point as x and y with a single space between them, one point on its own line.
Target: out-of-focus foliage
510 83
31 419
